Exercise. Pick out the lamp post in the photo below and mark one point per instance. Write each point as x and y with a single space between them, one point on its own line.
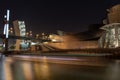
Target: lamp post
11 31
37 36
6 30
30 33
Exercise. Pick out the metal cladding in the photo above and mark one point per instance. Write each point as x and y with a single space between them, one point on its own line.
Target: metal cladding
111 37
94 33
114 14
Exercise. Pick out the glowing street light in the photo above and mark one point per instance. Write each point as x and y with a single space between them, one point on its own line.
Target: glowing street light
6 26
6 30
11 30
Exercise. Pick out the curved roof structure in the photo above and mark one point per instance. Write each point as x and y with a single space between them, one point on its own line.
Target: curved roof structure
105 27
94 33
90 35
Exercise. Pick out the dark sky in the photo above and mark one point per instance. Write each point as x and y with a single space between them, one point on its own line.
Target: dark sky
50 16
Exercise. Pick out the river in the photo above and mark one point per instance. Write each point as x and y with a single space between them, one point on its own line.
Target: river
58 68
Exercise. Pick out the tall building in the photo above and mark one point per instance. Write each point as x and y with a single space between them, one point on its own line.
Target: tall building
20 30
19 27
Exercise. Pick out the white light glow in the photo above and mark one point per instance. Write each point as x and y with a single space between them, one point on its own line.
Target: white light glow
54 40
4 29
6 26
32 43
8 13
7 32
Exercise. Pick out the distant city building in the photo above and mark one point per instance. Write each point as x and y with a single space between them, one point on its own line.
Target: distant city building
20 30
19 27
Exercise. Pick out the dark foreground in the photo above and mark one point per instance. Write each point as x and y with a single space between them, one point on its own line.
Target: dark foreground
58 68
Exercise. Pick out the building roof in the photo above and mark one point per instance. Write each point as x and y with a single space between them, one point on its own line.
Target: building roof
94 33
112 25
90 35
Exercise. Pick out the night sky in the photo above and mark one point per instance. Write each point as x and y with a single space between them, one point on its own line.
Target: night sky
50 16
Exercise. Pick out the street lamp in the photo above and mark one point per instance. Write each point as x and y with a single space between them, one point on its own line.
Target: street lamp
37 36
11 30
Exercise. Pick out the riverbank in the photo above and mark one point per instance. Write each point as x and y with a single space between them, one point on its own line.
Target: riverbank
108 53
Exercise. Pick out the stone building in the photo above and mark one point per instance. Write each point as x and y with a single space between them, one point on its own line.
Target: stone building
113 15
82 40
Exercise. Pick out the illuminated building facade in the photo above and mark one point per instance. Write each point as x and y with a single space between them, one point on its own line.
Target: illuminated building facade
82 40
114 14
111 37
72 42
106 36
19 27
20 30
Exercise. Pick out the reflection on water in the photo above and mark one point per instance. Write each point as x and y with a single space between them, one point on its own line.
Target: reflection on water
2 77
42 69
113 71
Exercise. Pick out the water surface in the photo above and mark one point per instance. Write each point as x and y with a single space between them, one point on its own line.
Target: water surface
55 68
